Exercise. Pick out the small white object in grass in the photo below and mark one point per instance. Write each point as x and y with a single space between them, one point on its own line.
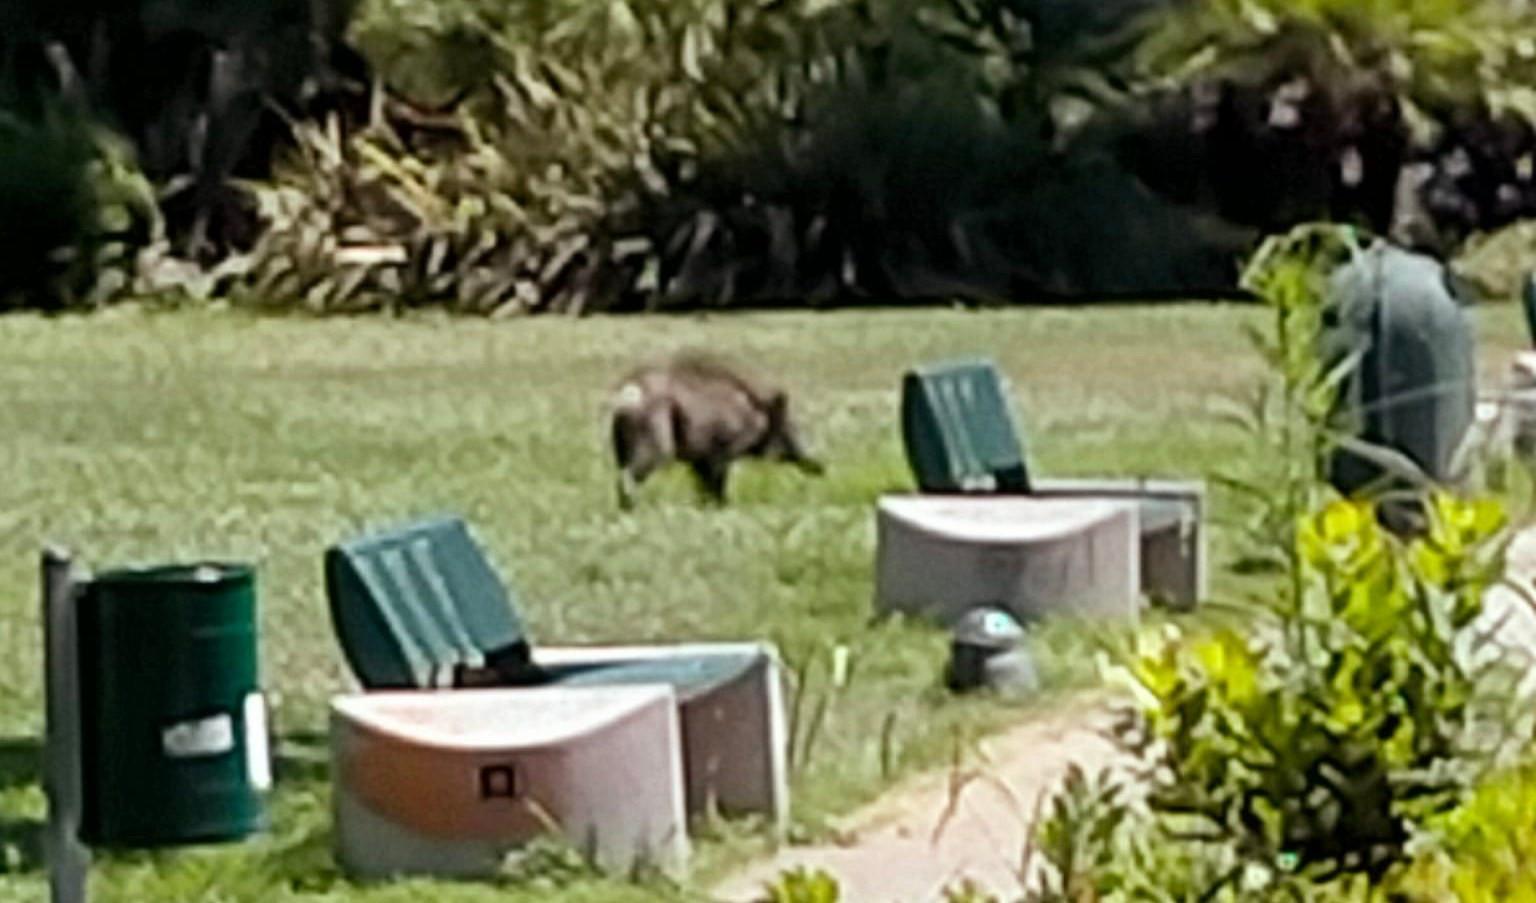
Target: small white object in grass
839 665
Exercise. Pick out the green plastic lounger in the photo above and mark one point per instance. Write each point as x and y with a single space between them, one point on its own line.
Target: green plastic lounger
961 437
419 606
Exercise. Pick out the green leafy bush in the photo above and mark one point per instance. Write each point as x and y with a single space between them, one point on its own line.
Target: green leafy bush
1100 841
1318 754
74 211
1289 418
802 885
649 154
1412 118
1485 849
1319 751
574 115
1329 740
1439 53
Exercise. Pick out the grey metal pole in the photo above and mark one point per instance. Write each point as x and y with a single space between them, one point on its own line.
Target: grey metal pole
68 860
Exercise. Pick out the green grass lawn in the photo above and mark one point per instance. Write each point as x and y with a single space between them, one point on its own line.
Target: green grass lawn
135 437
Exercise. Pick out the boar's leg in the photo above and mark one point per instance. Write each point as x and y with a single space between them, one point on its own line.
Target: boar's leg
640 446
633 474
712 474
627 486
810 464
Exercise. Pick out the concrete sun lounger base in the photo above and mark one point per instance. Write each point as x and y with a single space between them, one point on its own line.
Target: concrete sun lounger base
448 784
940 556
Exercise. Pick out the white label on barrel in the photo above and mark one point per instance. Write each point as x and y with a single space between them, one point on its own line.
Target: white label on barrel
258 761
209 736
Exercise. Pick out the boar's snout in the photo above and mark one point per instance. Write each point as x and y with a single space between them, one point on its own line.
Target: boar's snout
784 439
789 451
809 464
784 443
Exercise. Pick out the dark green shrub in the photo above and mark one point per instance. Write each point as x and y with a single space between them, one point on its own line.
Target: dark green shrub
583 125
1409 116
72 209
900 192
648 154
46 208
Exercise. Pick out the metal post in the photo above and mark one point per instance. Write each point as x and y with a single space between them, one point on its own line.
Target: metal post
68 860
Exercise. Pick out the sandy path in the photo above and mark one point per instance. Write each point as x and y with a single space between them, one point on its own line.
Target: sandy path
901 850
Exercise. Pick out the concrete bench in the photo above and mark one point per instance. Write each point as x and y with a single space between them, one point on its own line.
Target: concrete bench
962 439
941 556
420 607
448 784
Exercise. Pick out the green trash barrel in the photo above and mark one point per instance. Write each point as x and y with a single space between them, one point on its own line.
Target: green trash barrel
1415 388
173 728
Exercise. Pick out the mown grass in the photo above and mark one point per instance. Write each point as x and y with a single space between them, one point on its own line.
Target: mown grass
137 437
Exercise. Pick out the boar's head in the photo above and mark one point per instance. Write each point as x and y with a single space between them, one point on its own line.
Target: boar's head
781 439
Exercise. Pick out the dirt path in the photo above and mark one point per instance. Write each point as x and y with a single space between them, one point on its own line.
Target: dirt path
901 849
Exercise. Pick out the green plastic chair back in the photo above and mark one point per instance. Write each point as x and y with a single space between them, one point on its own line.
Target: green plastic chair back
1415 387
959 430
412 602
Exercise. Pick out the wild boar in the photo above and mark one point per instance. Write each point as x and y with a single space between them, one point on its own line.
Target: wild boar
698 410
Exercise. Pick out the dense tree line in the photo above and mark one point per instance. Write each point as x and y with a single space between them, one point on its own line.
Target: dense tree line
643 154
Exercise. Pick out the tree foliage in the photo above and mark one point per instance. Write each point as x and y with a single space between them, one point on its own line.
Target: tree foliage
639 154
